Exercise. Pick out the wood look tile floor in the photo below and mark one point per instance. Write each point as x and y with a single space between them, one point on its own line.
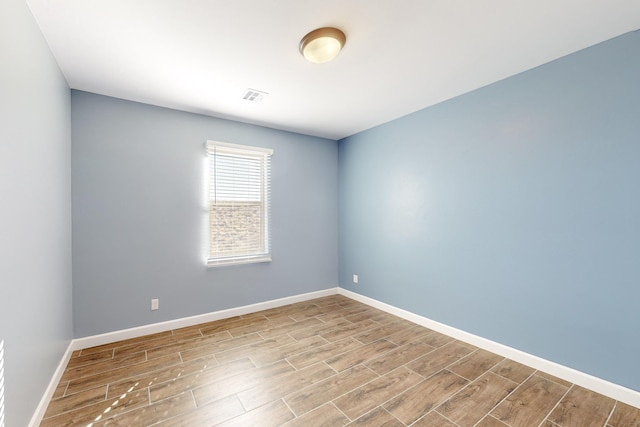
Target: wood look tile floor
326 362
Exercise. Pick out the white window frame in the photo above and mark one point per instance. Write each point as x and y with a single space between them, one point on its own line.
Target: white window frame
227 189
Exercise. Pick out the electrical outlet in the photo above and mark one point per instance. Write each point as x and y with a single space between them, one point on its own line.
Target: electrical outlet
355 278
155 304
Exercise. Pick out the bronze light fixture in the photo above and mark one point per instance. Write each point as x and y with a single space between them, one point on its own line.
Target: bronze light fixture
322 45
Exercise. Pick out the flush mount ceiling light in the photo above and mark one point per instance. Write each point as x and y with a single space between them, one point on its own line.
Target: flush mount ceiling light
322 45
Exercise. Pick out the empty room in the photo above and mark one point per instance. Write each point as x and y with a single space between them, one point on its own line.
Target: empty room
289 213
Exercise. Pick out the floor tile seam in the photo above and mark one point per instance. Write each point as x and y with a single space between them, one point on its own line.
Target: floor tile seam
219 328
362 362
195 401
546 418
75 380
433 410
120 379
446 367
84 365
215 331
335 355
115 345
444 399
488 415
468 355
408 329
393 416
107 399
212 351
199 386
241 349
386 401
244 408
615 404
432 374
192 374
408 362
145 346
315 384
92 354
66 387
317 317
488 412
360 332
449 419
509 394
181 342
505 377
106 348
261 330
538 372
289 408
271 402
332 401
259 386
193 397
55 414
296 353
368 342
283 333
201 340
99 372
316 333
490 369
517 385
186 329
151 404
237 374
303 351
380 407
334 405
186 389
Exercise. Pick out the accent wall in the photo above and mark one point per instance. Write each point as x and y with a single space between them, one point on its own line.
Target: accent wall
511 212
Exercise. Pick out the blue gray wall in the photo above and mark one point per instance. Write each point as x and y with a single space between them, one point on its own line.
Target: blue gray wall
139 220
35 212
511 212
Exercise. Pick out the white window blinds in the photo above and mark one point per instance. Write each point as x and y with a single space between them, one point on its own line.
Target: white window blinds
239 203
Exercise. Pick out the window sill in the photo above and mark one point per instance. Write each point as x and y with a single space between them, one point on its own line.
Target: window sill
226 262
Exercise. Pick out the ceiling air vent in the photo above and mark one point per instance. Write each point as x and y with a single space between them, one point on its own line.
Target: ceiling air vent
253 95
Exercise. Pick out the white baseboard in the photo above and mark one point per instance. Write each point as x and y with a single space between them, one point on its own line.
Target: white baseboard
51 388
94 340
614 391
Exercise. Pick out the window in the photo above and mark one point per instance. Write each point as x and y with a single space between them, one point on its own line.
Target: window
239 204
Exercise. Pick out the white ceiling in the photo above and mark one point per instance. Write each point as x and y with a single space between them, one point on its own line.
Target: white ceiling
400 55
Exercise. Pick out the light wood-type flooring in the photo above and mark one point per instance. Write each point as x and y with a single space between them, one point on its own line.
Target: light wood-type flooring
326 362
